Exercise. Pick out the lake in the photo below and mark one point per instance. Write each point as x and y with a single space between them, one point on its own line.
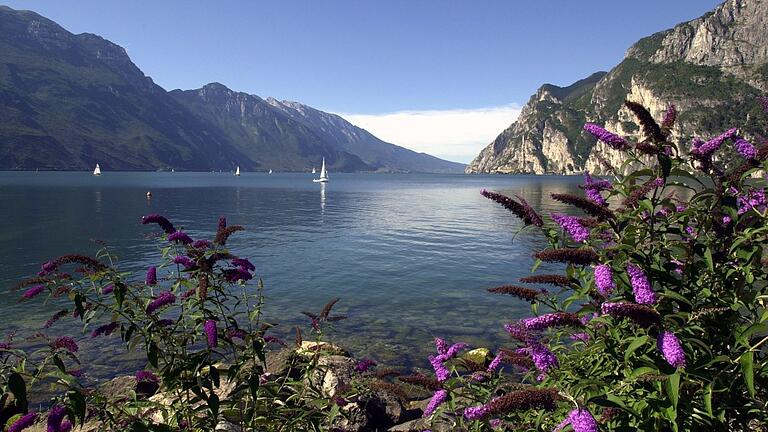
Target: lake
410 256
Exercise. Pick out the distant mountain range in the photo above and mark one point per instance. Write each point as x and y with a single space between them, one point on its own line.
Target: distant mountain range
712 68
69 101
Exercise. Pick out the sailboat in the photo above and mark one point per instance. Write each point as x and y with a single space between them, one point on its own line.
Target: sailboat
97 170
237 171
314 171
323 175
270 171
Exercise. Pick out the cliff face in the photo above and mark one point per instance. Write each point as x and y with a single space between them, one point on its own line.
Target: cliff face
712 68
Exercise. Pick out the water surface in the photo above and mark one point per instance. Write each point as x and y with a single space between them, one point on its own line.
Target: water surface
410 256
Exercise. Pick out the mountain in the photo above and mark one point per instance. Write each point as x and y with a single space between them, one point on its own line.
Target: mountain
267 138
712 68
68 101
373 151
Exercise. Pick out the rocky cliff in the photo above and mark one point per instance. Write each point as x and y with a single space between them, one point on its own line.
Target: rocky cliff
713 68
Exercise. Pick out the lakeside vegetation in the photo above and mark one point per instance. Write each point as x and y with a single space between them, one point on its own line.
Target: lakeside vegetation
658 323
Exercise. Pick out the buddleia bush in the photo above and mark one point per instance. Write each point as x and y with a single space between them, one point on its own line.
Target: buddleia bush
198 324
659 320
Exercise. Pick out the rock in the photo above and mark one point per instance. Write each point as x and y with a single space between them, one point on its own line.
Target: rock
333 373
119 388
722 49
385 409
310 348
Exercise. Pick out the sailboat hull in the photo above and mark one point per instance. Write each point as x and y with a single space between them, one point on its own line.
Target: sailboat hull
325 180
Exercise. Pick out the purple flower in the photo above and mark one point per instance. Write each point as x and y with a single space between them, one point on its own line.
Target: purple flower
32 292
670 348
582 337
147 383
706 149
518 331
55 317
593 187
108 289
184 260
364 364
572 225
237 274
454 349
211 333
243 263
441 371
151 275
23 422
641 315
581 420
496 362
604 279
669 117
441 345
163 222
611 139
163 299
106 329
48 267
745 148
67 343
555 319
752 199
181 237
201 244
146 376
641 287
55 417
438 398
477 412
543 358
726 220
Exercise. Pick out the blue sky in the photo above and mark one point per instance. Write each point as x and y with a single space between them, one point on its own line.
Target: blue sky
378 63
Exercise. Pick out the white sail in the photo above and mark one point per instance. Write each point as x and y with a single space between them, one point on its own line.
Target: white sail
314 171
323 174
97 170
237 171
270 171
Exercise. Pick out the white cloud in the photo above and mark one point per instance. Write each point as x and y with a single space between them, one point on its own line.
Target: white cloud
456 134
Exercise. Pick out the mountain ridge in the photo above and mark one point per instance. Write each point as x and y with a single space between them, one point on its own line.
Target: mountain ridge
712 68
71 100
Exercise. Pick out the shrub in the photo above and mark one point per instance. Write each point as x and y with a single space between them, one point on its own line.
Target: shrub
659 321
202 333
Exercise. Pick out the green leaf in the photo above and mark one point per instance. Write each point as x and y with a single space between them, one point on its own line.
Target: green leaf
152 353
746 369
637 343
673 389
708 399
708 259
78 405
213 404
18 387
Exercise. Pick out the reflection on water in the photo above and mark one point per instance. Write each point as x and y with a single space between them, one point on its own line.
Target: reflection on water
322 197
410 256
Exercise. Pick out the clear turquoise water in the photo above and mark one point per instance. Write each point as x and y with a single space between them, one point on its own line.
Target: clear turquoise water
410 256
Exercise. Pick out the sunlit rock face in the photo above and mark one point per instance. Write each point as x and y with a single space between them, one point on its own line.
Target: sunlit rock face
712 68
